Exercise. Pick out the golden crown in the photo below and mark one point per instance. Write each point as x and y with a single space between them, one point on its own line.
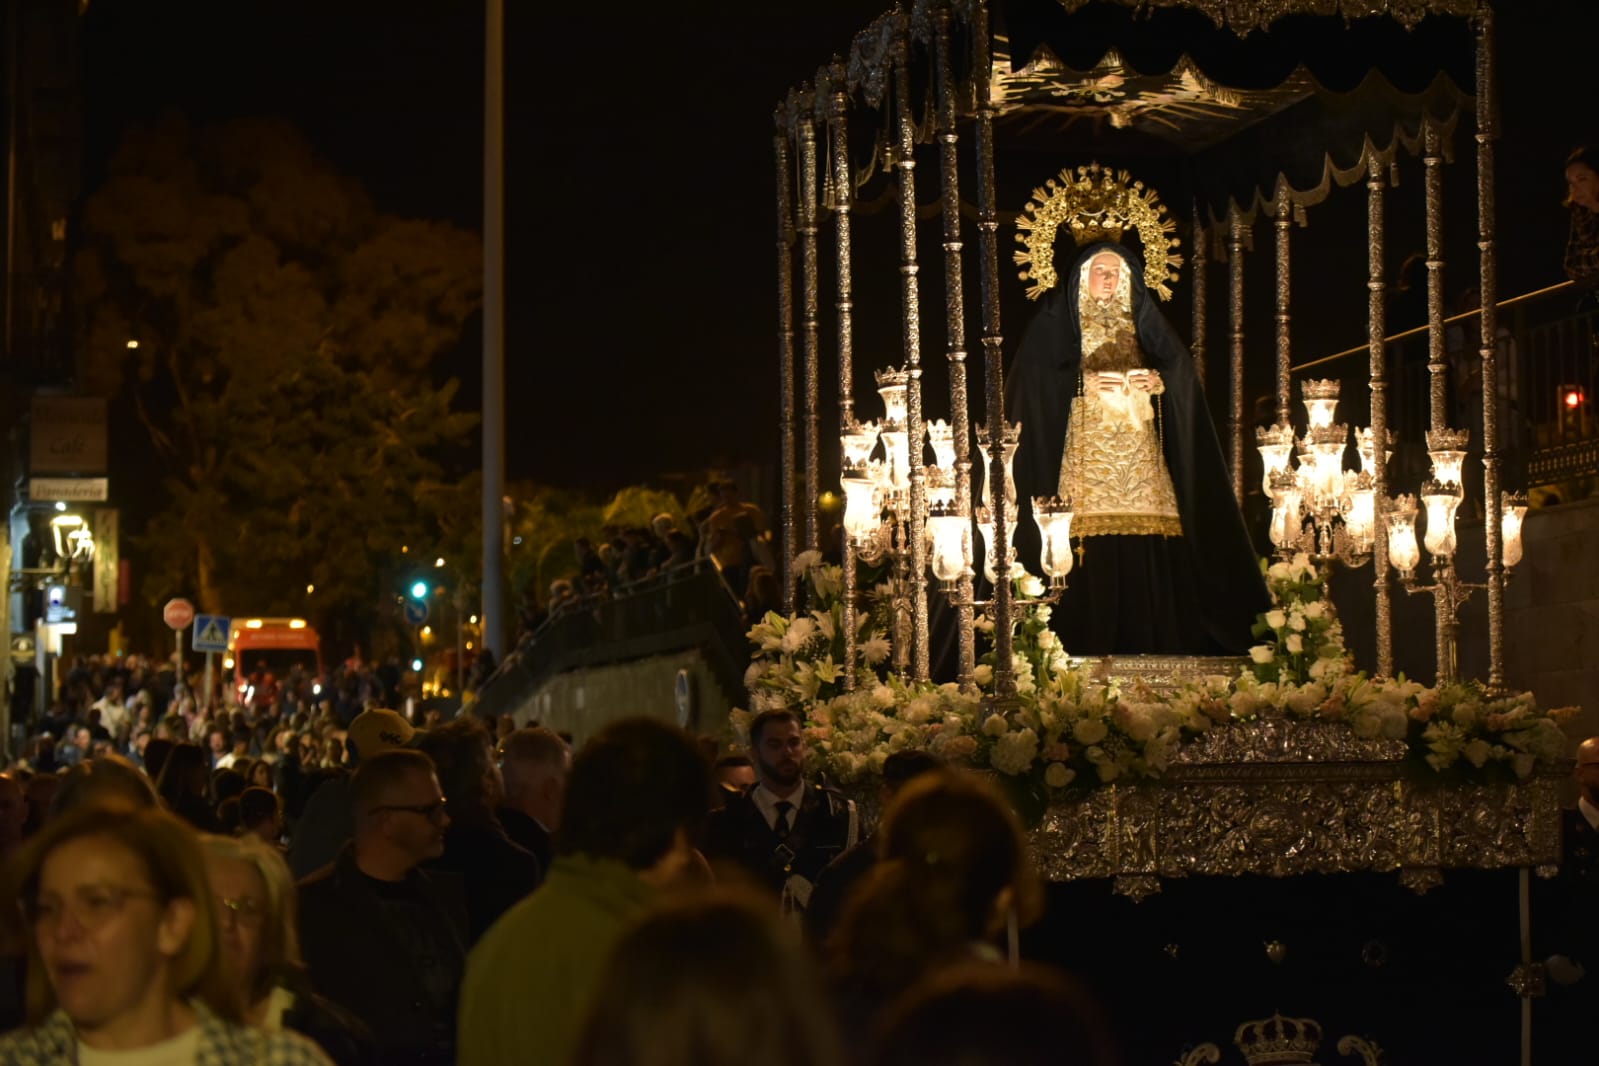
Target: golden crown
1095 204
1279 1041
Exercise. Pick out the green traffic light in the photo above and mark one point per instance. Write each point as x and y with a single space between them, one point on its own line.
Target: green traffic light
419 590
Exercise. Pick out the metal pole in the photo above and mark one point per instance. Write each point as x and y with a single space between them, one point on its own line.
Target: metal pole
809 340
1284 219
1487 132
209 656
460 642
993 353
1376 323
955 328
1437 369
843 202
1235 317
911 312
1201 291
493 325
785 355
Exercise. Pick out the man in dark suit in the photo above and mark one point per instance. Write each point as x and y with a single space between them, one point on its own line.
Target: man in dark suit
534 763
784 830
1570 938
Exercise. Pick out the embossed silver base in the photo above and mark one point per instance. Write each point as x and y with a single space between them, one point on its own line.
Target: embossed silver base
1283 797
1162 673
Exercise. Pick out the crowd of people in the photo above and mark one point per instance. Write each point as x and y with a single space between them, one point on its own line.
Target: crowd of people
731 532
469 891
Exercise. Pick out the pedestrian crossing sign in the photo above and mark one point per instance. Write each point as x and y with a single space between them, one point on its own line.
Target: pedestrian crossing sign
211 632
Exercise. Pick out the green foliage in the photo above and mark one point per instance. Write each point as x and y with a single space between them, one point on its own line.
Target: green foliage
286 334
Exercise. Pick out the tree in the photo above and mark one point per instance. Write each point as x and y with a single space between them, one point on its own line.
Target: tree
286 336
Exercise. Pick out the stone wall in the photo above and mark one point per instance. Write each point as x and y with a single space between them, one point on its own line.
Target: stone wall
583 701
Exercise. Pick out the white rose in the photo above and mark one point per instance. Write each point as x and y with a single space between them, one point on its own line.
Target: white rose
882 696
799 634
995 725
1013 753
805 560
1089 730
1314 609
1031 586
1059 775
983 674
1477 752
1276 619
1296 622
1278 572
1262 653
1295 644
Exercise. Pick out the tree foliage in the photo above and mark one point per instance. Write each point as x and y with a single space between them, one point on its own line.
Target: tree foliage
287 335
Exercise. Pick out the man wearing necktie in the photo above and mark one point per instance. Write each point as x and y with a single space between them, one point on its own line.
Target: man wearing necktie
783 829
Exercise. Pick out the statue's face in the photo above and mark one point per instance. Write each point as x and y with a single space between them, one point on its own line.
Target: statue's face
1104 272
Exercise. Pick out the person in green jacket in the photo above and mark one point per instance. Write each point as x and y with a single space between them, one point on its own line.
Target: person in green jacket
637 798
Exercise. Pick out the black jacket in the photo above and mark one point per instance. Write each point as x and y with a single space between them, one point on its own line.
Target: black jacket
526 832
367 947
494 872
822 831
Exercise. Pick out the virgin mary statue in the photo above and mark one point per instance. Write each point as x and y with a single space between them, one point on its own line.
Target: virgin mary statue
1113 417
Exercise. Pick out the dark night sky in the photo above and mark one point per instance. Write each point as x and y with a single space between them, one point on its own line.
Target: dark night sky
641 292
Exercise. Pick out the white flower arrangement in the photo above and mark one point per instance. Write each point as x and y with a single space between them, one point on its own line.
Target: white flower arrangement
1070 730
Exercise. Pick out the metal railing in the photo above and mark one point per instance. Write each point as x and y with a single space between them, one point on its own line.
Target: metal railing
1548 365
683 607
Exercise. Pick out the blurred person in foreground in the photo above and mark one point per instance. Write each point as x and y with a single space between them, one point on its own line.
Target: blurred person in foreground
951 883
973 1014
709 981
255 898
636 800
124 962
383 938
838 881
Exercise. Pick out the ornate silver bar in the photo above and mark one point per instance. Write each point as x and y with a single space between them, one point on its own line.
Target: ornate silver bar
955 325
1235 318
809 339
911 314
843 203
1279 798
993 346
1487 133
1201 293
1437 368
1284 219
1376 325
785 352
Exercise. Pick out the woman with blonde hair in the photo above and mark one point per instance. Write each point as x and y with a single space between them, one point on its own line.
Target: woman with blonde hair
259 935
123 956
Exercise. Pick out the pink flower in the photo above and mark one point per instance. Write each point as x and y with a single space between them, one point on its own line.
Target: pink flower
960 747
1423 712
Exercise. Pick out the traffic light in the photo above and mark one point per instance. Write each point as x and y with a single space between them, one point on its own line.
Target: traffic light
1573 412
419 590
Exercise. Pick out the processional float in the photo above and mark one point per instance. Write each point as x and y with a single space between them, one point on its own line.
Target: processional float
1213 102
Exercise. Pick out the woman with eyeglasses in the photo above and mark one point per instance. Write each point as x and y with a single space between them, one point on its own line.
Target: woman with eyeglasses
255 898
124 960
